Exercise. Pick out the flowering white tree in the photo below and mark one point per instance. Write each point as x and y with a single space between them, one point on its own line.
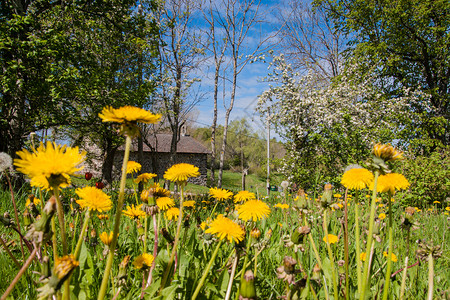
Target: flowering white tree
328 125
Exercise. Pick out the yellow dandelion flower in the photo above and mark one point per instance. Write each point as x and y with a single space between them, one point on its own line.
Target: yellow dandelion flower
172 213
157 191
106 238
223 227
362 256
386 152
337 196
393 256
144 260
243 196
93 199
128 114
381 205
204 225
253 210
382 216
391 182
357 179
36 201
103 217
446 213
331 238
50 165
280 224
189 203
64 266
133 212
220 194
417 209
447 208
133 167
282 205
430 209
436 202
181 172
164 203
144 177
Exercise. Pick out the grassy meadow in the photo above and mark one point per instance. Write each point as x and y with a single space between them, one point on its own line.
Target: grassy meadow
356 240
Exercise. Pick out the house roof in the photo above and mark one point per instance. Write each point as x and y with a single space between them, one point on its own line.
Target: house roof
186 144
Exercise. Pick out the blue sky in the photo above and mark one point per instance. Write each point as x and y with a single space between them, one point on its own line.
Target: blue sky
250 84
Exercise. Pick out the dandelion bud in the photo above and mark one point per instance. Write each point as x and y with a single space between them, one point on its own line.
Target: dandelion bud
248 290
167 235
409 216
341 264
40 230
299 233
316 273
26 218
327 195
140 228
6 220
186 222
45 268
386 152
123 274
287 270
64 266
301 200
255 233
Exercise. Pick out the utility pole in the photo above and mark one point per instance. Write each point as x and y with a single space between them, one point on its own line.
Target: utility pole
268 152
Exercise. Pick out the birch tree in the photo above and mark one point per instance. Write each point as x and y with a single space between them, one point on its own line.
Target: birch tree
237 19
180 55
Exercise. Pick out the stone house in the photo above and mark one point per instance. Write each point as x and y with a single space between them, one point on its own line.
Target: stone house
157 154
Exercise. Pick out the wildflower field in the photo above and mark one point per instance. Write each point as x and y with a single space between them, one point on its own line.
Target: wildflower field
352 241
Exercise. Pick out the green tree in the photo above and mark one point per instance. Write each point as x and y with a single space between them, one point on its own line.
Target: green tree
63 62
409 42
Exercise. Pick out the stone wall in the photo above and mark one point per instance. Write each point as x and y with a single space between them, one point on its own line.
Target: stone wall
161 164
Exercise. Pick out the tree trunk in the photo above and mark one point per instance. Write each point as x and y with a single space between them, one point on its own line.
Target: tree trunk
108 162
225 127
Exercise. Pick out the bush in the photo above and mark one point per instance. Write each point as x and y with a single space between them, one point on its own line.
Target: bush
429 178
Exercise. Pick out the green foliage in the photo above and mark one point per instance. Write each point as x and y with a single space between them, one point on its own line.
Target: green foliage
245 147
61 63
429 178
409 42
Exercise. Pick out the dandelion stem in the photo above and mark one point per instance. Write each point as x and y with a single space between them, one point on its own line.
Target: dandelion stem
389 261
357 241
313 245
205 273
366 275
112 246
346 244
244 267
145 233
403 286
330 254
430 277
82 234
155 253
175 244
233 271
